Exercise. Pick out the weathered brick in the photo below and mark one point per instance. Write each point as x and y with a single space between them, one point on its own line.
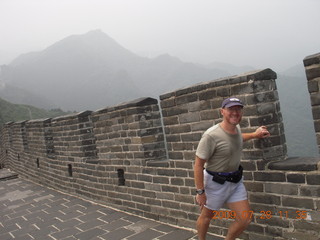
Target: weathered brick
296 178
167 196
162 180
177 181
171 120
311 191
299 203
181 173
167 103
254 186
184 198
313 178
177 213
207 94
168 188
208 115
313 71
153 202
281 188
313 86
144 207
307 225
260 236
269 176
186 98
300 235
189 117
149 194
314 215
178 129
312 59
152 187
264 198
272 219
170 204
130 137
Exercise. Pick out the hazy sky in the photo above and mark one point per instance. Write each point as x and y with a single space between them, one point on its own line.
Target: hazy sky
271 33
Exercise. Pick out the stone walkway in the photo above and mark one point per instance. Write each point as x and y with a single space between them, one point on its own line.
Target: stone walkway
31 211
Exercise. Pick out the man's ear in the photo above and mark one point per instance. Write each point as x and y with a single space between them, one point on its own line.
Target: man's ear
221 112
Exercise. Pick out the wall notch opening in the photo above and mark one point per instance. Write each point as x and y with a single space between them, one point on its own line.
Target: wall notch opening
121 180
70 170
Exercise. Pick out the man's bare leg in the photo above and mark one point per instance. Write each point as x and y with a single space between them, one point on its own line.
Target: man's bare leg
243 219
203 222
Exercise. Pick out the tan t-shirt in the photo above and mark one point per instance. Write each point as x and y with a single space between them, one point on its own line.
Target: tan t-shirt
221 150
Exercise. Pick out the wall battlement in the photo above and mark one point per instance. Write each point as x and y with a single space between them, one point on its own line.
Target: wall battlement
138 156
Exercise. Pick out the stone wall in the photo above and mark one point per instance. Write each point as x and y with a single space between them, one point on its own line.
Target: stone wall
312 67
139 158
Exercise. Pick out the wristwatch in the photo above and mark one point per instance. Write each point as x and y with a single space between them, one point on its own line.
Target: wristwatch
200 191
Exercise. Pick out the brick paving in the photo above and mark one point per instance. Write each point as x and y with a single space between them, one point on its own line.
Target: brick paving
31 211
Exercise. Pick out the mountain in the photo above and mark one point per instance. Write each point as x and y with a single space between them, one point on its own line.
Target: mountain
18 95
91 71
18 112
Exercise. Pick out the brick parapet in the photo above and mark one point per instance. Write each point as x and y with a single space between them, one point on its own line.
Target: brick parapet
312 69
117 155
73 137
39 137
130 133
188 112
4 146
283 201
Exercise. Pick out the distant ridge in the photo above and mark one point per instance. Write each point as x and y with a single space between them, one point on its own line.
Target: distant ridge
92 70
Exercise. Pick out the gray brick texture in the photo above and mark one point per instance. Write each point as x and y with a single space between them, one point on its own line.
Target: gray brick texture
138 156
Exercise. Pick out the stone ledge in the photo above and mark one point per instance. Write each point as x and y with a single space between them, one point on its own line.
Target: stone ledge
312 59
140 102
6 174
296 164
158 163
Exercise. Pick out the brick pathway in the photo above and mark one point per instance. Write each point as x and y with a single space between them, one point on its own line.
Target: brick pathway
31 211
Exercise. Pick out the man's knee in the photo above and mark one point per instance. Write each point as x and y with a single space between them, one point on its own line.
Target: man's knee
244 221
206 215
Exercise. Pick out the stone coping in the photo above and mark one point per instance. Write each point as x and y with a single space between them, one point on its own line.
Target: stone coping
143 101
262 74
312 59
6 174
296 164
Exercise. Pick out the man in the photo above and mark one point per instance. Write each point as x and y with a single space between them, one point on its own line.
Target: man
217 170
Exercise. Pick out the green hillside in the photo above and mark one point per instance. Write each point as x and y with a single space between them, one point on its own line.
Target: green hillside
18 112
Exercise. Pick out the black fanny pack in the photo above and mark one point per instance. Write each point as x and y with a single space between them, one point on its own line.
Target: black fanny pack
221 177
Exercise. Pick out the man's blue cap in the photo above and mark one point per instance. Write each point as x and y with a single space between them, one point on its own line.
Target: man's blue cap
230 102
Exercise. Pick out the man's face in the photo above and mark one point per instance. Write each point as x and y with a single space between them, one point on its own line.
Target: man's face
232 115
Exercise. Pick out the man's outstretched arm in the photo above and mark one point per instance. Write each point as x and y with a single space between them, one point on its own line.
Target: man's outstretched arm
261 132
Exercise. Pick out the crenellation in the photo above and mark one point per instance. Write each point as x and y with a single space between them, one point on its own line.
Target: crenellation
313 71
138 156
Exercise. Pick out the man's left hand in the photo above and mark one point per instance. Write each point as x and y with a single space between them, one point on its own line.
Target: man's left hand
262 132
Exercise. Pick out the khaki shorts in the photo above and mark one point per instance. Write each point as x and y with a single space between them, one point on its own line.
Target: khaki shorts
219 194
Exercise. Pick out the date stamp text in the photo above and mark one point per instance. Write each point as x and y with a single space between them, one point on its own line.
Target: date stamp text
224 214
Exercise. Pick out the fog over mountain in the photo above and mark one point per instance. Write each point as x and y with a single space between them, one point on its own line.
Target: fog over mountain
92 71
296 110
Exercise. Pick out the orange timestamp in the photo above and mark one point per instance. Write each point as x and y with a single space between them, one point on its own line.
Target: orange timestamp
225 214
